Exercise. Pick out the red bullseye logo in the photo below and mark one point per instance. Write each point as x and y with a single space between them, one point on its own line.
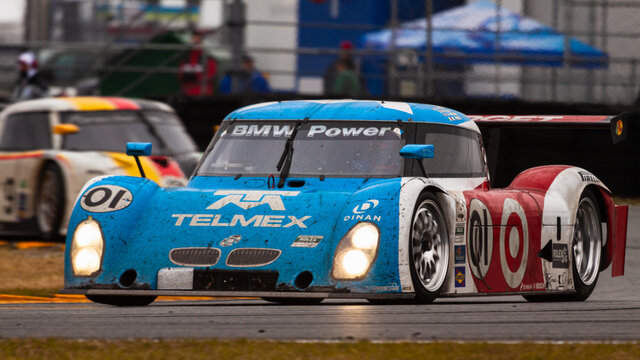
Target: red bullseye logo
514 242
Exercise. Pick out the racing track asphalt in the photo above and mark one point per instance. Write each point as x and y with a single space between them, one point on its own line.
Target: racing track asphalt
612 313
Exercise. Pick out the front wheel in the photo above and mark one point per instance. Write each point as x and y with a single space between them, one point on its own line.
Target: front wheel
119 300
428 249
586 248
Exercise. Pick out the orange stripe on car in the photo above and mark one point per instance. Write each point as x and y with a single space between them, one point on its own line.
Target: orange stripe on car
128 164
24 155
91 103
63 159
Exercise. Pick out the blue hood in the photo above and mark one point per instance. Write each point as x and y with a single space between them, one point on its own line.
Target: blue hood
212 209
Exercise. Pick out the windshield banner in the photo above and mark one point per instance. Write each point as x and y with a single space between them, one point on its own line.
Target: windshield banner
315 131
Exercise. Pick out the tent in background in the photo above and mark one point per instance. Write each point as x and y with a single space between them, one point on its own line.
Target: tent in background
469 34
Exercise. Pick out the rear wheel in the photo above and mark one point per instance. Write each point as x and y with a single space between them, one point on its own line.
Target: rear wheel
50 201
294 301
586 248
119 300
428 249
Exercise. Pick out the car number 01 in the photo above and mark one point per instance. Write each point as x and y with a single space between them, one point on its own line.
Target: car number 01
480 238
106 198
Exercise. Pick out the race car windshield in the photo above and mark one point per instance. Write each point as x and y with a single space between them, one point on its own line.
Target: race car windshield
337 148
111 130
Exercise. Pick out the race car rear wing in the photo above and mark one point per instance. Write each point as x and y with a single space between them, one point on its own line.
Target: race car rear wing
515 143
618 124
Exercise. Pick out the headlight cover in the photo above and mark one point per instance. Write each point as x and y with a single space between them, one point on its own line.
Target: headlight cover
356 252
87 248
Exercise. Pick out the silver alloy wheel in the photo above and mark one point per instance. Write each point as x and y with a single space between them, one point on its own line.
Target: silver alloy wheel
587 241
47 208
430 246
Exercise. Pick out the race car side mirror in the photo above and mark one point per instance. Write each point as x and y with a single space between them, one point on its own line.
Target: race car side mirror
64 129
137 149
417 151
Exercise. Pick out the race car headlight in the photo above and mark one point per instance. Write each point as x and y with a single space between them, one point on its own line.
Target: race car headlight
87 248
356 252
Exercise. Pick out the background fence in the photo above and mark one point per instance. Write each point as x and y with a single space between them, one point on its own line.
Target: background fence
294 42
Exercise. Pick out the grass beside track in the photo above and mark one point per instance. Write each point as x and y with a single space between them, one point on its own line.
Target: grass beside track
31 272
53 349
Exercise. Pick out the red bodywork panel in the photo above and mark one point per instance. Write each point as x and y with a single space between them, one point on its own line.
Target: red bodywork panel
620 241
495 267
505 229
614 250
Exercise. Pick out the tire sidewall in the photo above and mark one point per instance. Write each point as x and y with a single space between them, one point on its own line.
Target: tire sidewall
583 291
422 294
54 232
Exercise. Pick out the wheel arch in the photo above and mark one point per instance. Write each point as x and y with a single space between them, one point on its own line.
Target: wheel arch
562 187
410 192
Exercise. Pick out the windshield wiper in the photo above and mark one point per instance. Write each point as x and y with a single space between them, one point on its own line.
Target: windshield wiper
284 165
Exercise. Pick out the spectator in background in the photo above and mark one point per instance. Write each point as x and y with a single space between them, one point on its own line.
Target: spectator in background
197 74
30 85
247 80
346 82
331 73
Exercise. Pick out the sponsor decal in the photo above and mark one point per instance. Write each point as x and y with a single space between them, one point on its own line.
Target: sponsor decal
262 130
369 204
562 281
392 287
362 217
619 127
560 254
459 229
552 281
314 131
480 238
450 114
106 198
245 199
360 209
22 206
248 199
460 276
556 281
534 286
514 243
587 177
460 253
274 221
307 241
233 239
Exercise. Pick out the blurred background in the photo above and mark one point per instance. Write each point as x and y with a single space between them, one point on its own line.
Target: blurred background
564 51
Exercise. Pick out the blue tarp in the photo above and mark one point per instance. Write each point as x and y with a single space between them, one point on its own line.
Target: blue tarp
469 34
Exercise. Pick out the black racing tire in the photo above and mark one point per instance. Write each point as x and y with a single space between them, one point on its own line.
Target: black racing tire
587 230
121 300
429 253
294 300
50 202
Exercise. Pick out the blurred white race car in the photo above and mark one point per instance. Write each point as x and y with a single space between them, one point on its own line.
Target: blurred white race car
49 148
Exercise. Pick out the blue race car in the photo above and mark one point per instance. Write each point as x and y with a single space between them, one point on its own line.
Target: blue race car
299 201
